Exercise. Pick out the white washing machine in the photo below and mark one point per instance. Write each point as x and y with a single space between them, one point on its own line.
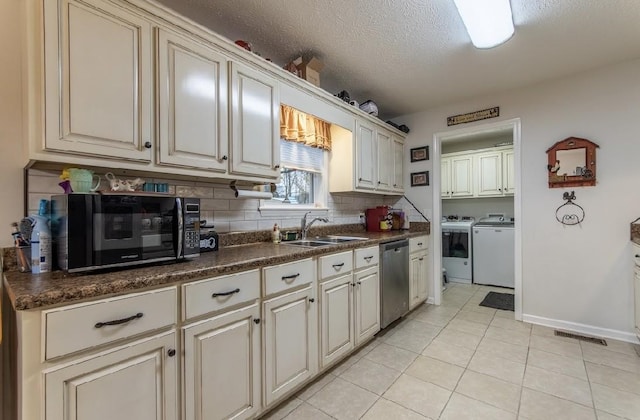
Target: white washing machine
457 250
494 252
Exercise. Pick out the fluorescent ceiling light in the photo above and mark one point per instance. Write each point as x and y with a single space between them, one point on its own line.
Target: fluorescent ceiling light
488 22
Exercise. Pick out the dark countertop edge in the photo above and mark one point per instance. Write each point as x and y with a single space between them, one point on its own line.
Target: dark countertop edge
27 291
635 233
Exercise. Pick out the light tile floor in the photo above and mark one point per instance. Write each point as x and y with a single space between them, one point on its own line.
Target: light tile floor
464 361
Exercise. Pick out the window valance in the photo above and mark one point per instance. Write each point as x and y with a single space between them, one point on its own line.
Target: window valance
304 128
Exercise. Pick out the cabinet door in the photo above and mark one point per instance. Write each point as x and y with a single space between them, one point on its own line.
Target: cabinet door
398 165
132 382
290 342
385 161
418 284
461 176
489 173
192 96
636 281
365 156
509 172
255 123
216 350
445 178
367 307
336 319
98 81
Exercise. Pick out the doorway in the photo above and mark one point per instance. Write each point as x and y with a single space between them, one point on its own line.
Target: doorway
511 127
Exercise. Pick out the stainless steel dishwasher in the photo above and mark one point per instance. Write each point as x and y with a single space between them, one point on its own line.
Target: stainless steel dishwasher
394 282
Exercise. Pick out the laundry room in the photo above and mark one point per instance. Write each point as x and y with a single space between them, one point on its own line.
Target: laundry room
477 198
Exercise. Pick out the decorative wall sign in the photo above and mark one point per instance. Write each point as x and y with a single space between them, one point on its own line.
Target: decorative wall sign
572 163
419 178
420 153
474 116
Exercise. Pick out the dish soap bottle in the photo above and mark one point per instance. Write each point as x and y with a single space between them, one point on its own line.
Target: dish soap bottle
275 235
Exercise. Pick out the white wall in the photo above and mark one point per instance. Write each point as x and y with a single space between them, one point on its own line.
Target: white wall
11 133
580 274
478 207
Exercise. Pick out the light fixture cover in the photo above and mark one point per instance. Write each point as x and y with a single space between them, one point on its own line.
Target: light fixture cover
488 22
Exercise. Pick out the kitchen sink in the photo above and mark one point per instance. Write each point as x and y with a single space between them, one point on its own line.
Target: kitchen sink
323 241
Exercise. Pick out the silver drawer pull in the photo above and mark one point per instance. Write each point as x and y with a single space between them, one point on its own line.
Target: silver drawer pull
225 293
368 258
291 277
119 321
336 266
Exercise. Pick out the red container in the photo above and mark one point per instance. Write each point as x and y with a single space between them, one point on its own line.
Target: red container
375 216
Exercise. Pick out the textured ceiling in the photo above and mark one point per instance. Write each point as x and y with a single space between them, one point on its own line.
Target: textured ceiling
411 55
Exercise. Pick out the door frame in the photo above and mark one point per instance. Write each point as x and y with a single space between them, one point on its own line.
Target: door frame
514 126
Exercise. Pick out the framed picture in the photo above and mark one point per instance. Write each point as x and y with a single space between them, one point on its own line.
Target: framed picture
419 178
420 153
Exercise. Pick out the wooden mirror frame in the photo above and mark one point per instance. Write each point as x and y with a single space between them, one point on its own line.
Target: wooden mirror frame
588 179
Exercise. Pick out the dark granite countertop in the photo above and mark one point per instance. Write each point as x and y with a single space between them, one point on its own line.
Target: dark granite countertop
635 233
27 291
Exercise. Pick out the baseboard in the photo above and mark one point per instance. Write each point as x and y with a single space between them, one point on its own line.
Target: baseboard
431 300
458 280
591 330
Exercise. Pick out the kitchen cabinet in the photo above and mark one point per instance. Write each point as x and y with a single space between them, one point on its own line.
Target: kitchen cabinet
349 302
371 161
289 327
255 123
495 174
418 274
636 286
456 176
192 103
224 345
98 85
135 381
218 349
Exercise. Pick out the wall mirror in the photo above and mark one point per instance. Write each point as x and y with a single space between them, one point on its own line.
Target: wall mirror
572 163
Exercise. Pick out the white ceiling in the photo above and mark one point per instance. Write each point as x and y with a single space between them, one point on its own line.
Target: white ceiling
410 55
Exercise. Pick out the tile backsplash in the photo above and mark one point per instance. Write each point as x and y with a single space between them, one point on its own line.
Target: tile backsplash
227 213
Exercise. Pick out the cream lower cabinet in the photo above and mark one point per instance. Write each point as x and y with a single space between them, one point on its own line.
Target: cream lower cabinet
367 304
98 80
134 382
336 319
222 366
418 275
636 286
290 342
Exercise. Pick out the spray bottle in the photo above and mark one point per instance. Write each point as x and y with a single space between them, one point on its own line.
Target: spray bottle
40 241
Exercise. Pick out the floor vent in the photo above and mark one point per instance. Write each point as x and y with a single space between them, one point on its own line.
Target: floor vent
594 340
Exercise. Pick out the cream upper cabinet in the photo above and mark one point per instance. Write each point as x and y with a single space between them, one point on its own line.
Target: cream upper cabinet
456 175
489 174
366 157
216 350
192 103
398 165
137 381
98 80
385 160
508 172
255 123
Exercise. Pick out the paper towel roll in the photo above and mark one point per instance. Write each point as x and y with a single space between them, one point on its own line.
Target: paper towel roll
253 194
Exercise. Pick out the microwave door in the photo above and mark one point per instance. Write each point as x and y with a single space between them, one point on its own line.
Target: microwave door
117 231
157 223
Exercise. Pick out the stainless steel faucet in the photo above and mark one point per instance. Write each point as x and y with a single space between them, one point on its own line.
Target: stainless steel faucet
304 225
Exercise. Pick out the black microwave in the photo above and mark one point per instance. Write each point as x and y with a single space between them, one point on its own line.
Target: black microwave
95 231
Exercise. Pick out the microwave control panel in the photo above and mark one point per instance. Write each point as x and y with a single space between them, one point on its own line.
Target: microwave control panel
191 226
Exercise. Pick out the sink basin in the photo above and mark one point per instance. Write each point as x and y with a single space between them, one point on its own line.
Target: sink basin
323 241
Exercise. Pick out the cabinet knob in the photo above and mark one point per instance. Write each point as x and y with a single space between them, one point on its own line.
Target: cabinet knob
359 179
256 321
147 145
276 167
171 352
359 282
225 157
311 300
395 185
379 182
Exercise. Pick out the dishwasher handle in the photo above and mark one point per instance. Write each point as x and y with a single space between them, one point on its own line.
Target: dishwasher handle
394 245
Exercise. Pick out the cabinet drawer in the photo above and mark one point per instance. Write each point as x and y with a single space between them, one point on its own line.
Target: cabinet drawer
367 257
332 265
77 327
287 276
418 244
214 294
636 254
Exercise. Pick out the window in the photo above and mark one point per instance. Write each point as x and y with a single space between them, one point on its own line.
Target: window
301 181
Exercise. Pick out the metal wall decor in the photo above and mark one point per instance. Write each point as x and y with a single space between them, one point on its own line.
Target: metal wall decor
570 213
